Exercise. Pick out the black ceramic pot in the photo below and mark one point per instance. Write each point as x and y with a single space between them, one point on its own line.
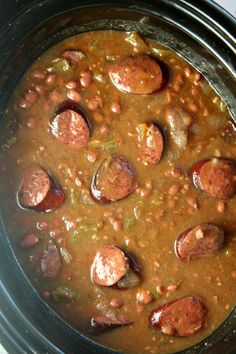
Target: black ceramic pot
200 31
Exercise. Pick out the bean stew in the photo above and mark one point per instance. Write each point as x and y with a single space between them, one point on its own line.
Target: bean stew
118 178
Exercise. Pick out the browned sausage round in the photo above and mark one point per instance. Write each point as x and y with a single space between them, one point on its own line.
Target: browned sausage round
181 317
139 75
216 177
114 180
103 323
151 143
203 240
70 128
109 265
51 262
38 191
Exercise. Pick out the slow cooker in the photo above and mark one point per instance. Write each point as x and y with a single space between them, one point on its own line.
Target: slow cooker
200 31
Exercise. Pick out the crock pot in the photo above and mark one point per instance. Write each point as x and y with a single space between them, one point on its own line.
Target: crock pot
200 31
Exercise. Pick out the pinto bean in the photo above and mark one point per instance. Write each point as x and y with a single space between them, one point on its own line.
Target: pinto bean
38 191
85 78
29 241
181 317
94 103
116 302
74 95
138 75
109 265
116 107
215 177
204 240
114 180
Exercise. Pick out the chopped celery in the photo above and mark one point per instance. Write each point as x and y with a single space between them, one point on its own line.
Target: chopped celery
129 221
136 41
142 131
11 141
110 143
61 66
86 199
64 293
160 52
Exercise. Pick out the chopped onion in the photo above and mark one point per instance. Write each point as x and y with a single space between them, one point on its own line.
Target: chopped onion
130 280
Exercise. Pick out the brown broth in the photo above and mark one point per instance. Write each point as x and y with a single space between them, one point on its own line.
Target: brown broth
150 224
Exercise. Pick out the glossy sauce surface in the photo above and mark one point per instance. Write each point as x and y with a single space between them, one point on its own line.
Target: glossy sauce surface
147 223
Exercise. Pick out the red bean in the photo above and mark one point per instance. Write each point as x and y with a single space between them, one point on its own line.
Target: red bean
74 95
38 74
29 241
116 107
116 303
50 79
94 103
85 78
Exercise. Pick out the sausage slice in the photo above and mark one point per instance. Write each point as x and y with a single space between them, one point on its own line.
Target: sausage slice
181 317
103 323
38 191
51 264
204 240
70 128
215 177
115 179
151 143
138 75
109 265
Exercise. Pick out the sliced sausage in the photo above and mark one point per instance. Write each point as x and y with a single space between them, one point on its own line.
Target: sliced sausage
74 56
109 265
181 317
139 75
115 179
38 191
103 323
215 177
151 143
204 240
28 241
70 127
51 264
